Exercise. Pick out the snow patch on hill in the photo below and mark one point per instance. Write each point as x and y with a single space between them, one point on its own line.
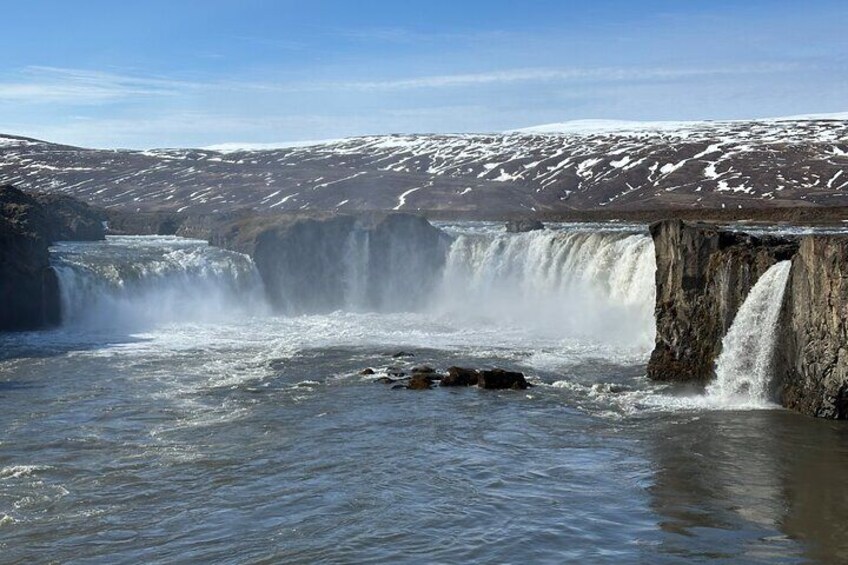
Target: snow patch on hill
629 127
236 147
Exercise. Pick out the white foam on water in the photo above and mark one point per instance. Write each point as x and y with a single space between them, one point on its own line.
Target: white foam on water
18 471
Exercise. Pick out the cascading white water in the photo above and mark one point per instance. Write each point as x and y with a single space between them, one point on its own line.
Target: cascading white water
594 285
743 370
136 281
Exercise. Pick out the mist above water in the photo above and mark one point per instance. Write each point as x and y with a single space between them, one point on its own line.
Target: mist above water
591 287
138 282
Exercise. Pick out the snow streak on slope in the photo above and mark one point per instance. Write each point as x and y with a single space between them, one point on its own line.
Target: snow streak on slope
580 165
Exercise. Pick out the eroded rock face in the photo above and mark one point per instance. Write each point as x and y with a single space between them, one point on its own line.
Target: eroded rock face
373 262
29 288
703 276
811 363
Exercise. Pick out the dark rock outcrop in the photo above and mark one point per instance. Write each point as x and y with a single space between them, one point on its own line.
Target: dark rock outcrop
458 376
383 262
122 222
68 219
29 291
703 276
525 225
811 363
385 380
501 379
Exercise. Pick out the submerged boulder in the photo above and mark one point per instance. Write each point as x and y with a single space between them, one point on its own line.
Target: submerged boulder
401 354
385 380
420 381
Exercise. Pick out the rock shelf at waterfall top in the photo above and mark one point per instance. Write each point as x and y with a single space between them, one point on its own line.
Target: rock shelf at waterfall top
617 167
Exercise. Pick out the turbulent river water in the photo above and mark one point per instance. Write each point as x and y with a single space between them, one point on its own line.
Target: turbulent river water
175 417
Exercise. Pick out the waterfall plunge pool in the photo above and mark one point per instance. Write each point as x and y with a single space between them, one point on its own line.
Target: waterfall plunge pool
175 417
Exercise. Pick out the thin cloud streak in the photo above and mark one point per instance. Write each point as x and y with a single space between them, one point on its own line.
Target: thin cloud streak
609 74
78 86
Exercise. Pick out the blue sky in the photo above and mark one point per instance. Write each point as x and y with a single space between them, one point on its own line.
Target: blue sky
193 73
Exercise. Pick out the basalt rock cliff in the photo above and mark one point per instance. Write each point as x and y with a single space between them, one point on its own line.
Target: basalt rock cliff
703 276
29 224
811 363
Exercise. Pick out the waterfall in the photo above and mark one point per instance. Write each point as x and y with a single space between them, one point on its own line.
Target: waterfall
595 285
591 287
137 281
743 370
391 264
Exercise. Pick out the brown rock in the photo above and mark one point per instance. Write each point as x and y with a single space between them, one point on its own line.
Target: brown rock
420 382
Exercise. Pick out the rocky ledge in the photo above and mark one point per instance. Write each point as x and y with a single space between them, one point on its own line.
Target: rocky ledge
29 224
703 276
425 377
705 273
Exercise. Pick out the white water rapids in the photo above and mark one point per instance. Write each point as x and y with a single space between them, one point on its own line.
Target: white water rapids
581 285
593 285
143 281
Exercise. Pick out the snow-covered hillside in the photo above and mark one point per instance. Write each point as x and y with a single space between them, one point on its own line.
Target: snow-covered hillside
576 165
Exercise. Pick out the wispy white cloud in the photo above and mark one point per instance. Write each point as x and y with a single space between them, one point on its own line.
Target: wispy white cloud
80 86
603 74
51 84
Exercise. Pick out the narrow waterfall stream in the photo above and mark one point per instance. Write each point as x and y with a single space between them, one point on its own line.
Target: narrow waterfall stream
743 370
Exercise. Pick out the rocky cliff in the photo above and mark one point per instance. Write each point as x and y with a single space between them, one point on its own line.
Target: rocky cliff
29 294
811 363
314 264
703 276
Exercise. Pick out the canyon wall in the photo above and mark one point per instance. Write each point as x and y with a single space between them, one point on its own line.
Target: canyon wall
29 224
811 365
703 276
